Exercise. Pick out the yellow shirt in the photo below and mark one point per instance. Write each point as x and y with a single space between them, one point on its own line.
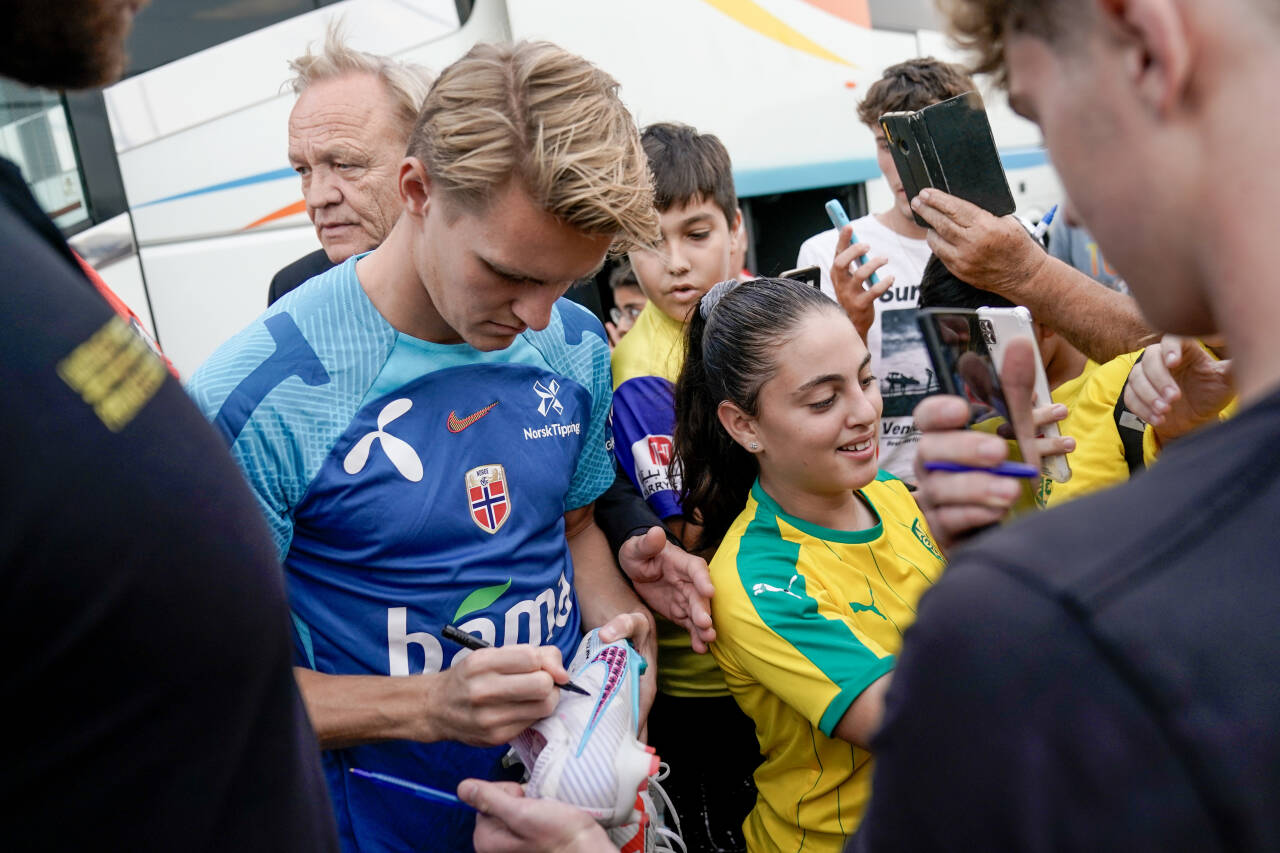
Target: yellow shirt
653 347
806 618
646 364
1098 460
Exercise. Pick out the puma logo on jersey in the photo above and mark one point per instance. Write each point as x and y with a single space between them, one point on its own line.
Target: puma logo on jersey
456 424
761 588
858 607
398 451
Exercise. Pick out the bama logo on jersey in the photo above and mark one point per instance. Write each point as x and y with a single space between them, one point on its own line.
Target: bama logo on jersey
653 455
531 620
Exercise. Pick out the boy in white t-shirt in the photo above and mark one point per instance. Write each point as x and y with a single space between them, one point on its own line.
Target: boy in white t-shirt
885 313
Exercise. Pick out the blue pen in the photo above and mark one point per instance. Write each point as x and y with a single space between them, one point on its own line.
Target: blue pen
1004 469
1042 227
840 219
424 791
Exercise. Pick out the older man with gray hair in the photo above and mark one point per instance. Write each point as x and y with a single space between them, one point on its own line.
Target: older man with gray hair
347 134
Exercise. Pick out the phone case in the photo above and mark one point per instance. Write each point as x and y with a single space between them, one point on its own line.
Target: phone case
931 322
810 275
949 146
999 326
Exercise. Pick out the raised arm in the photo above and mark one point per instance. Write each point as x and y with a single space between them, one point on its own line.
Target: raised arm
995 253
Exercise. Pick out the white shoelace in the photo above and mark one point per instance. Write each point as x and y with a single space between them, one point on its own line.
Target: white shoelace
668 838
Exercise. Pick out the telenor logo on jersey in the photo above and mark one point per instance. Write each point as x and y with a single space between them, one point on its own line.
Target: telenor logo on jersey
488 497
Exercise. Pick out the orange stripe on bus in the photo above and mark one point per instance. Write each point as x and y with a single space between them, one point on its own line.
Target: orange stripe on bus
296 207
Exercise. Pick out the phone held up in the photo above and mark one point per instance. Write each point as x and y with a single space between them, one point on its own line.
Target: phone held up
967 349
949 146
810 275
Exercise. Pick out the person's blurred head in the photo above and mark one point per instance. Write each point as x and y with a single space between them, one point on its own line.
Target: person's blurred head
347 135
524 168
777 384
628 299
941 288
698 207
1131 99
907 86
70 45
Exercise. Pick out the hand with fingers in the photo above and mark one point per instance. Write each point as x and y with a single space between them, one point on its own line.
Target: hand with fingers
1177 386
852 291
959 503
491 695
673 582
1041 417
510 822
639 629
994 253
615 336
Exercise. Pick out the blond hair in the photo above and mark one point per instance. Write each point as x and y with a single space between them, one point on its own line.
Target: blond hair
407 83
539 114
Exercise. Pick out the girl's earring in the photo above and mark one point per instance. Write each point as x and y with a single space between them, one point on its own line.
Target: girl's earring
753 446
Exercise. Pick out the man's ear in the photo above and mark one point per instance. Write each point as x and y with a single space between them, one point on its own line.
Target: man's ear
740 426
1162 61
737 234
415 187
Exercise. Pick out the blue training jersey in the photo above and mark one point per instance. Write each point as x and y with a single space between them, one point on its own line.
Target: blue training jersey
411 485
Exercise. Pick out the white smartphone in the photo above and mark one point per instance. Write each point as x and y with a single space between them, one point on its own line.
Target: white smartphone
999 326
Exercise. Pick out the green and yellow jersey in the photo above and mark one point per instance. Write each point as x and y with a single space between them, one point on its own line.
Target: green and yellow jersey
806 619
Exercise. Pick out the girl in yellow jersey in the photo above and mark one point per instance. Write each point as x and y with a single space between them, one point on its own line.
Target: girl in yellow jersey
821 557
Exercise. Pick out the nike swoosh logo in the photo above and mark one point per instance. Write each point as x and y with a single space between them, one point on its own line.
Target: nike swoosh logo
615 660
456 424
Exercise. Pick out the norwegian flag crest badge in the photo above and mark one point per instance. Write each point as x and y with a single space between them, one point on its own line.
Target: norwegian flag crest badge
489 497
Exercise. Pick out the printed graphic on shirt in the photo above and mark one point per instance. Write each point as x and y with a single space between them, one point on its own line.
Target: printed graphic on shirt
653 456
487 491
643 421
904 382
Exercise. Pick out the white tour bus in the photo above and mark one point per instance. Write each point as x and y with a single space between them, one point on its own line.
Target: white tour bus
174 182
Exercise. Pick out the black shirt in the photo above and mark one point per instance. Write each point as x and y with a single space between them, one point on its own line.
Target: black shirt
1103 676
304 268
147 674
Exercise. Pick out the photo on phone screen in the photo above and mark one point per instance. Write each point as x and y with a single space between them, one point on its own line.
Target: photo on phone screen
962 360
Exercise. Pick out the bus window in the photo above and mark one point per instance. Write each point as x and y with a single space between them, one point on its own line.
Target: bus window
163 32
34 134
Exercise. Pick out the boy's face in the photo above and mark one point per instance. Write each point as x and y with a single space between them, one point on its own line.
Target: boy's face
888 168
694 254
628 302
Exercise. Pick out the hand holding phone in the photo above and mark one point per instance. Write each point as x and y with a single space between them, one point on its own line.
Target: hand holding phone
960 345
835 211
1001 326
